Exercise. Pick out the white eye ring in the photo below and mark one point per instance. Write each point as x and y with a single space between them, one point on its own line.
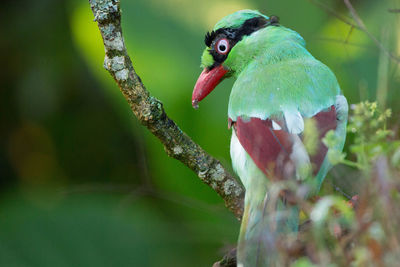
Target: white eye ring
222 46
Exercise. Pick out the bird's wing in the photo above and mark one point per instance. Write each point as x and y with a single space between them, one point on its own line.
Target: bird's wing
276 146
269 105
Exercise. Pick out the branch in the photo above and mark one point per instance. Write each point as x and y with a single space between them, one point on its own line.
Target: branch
334 13
150 111
394 10
359 24
363 28
229 260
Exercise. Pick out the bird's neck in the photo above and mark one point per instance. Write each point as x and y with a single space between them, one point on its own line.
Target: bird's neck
267 46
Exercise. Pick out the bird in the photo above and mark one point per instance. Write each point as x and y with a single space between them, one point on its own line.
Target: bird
279 88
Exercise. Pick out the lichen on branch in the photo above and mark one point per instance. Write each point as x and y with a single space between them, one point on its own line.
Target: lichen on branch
150 111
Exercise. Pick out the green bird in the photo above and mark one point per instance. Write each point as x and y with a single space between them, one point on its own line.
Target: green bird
279 87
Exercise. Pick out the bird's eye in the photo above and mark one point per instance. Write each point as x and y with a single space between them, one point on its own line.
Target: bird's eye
222 46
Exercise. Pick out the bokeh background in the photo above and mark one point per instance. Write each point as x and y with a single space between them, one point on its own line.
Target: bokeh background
82 183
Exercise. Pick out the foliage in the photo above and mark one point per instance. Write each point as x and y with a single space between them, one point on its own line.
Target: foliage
364 230
371 139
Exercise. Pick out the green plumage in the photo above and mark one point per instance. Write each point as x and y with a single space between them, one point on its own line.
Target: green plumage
276 79
237 19
274 63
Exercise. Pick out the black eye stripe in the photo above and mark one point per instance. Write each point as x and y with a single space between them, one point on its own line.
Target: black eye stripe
247 28
235 35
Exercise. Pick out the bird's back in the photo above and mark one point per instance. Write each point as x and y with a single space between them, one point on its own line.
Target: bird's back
284 76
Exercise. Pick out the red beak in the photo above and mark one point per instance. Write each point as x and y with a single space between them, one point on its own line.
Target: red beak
206 82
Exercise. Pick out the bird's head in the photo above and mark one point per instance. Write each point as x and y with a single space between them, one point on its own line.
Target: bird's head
227 50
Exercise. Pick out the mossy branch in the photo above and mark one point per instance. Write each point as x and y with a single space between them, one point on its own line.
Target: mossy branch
150 111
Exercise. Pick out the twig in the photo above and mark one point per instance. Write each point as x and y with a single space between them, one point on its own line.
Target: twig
359 25
150 111
363 28
394 10
334 13
229 260
333 40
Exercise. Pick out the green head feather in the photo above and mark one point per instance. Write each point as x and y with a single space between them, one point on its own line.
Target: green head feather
237 19
272 66
206 59
232 21
255 33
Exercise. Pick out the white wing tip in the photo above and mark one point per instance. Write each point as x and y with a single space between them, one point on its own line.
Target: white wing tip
294 122
276 126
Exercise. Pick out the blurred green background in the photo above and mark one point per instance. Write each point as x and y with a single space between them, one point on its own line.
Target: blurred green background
83 183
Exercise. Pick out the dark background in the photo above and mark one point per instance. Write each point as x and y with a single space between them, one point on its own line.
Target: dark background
82 183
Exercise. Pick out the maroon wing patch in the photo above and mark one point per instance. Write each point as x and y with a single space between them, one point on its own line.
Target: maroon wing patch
326 121
270 149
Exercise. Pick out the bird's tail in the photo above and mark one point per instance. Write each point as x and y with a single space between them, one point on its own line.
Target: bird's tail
264 220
